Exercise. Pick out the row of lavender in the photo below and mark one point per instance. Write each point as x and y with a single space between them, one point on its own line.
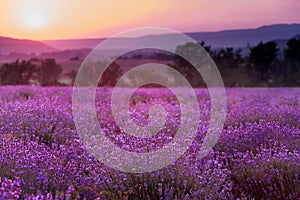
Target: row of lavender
257 155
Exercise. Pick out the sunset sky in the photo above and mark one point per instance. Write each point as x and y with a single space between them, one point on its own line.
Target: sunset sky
61 19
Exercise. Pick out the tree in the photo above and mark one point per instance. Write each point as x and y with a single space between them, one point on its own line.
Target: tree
228 58
17 73
292 52
49 72
90 74
292 60
72 75
207 48
196 54
111 75
263 56
231 66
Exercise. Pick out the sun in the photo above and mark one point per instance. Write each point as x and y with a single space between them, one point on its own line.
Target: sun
33 14
34 19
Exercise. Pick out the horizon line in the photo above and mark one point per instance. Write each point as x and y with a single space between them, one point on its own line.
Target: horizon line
185 32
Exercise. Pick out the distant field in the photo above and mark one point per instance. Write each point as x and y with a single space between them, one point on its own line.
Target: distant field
125 64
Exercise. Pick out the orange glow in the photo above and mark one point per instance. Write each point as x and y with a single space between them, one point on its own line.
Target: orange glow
58 19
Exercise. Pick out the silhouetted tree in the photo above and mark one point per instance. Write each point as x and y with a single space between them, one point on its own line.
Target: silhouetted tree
228 58
90 74
292 52
292 62
76 58
111 75
207 48
231 65
195 53
49 72
72 75
17 73
263 56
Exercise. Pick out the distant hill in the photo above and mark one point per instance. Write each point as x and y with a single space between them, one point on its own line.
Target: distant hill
74 54
73 43
10 45
244 37
11 49
227 38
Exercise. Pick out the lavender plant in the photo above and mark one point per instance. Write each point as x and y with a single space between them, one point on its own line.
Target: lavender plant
256 157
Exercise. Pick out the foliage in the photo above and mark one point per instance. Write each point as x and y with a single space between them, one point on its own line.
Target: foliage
17 73
292 58
111 75
190 50
48 72
263 56
90 74
262 67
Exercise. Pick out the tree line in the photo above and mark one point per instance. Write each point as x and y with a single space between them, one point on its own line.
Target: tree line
262 67
27 73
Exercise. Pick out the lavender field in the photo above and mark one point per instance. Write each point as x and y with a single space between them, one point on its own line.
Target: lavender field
256 157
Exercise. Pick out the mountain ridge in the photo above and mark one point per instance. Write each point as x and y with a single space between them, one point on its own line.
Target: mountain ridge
223 38
217 39
10 45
